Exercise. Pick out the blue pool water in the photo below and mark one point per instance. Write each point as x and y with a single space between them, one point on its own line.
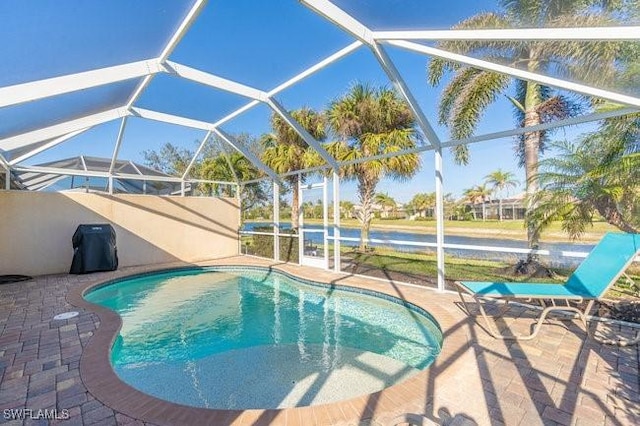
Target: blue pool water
251 338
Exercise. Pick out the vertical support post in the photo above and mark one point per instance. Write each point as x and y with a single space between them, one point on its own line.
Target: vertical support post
7 168
336 221
116 150
325 221
300 221
182 188
239 198
276 221
439 217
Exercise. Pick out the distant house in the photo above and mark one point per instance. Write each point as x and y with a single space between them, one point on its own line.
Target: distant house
512 208
400 212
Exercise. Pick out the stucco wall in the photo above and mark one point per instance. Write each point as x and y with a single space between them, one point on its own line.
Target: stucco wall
36 228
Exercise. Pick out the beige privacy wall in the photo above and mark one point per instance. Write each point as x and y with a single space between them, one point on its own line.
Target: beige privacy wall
36 228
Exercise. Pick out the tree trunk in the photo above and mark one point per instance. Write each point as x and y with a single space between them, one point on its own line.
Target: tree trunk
608 209
484 211
500 209
531 157
366 191
295 222
532 267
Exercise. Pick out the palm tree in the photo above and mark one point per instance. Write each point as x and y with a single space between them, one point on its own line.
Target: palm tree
387 203
596 175
501 182
226 167
484 192
473 197
346 207
371 122
476 195
285 151
472 90
422 202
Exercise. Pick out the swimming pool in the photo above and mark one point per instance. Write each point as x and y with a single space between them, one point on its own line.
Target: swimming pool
241 338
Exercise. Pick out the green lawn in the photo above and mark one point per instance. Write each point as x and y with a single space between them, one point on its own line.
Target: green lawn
424 265
515 225
420 264
513 229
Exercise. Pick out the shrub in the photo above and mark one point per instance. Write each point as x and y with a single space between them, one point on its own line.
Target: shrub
263 245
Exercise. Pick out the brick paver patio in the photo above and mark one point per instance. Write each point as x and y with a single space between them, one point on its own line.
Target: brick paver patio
558 378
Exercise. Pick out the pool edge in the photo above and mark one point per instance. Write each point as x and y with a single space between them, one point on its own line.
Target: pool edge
104 384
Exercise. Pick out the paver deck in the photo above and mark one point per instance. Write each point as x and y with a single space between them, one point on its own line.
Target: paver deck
557 378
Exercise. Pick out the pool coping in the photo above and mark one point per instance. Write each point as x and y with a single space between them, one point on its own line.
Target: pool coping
103 383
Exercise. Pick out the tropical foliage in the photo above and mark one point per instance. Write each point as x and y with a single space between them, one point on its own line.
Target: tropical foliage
423 202
233 167
500 182
387 203
170 159
372 121
599 176
346 209
214 163
470 91
285 150
478 194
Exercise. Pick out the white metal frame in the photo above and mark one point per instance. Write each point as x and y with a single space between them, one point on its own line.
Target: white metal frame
315 261
46 146
518 73
30 143
524 34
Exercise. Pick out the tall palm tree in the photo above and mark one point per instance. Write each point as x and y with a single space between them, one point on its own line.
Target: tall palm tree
595 175
500 182
471 90
285 151
372 121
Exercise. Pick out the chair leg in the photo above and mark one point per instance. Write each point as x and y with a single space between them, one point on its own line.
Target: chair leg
549 309
494 332
581 314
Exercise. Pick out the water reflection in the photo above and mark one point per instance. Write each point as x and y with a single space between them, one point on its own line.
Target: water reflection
181 334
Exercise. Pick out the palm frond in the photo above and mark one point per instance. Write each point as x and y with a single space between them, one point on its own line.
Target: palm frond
452 92
480 92
488 20
437 68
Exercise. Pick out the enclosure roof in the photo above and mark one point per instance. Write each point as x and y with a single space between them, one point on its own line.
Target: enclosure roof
128 174
70 66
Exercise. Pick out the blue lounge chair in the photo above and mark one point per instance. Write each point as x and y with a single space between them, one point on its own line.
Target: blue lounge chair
599 270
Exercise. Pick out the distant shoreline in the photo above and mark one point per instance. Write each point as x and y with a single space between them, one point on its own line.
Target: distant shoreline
496 234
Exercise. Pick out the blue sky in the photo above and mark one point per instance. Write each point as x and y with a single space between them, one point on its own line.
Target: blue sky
254 42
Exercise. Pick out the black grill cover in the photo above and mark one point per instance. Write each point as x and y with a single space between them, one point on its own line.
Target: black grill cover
94 249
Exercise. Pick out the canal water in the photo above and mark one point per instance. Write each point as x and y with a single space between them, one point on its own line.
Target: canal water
554 260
